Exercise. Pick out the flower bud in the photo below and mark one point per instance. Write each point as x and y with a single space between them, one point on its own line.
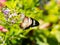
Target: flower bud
1 27
4 30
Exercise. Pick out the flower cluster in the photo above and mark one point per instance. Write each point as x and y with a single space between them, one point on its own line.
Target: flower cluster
9 15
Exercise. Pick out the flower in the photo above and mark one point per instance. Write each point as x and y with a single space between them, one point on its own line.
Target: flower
13 21
12 15
2 3
6 11
2 29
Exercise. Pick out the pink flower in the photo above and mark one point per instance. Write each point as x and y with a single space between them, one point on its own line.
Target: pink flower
1 4
2 29
2 1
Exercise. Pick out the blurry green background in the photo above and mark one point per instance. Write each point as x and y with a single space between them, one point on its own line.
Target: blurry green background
47 11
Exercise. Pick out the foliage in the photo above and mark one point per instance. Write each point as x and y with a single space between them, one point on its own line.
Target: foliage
31 36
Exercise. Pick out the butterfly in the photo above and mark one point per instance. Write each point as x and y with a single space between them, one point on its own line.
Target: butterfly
28 22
